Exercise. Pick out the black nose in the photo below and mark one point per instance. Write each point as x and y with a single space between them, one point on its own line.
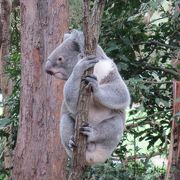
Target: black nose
49 72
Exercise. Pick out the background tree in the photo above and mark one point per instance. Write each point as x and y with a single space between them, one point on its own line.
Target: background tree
6 84
38 152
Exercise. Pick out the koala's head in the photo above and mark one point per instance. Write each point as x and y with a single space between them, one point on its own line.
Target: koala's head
62 60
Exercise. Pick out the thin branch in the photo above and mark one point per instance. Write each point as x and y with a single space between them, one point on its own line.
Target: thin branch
133 125
154 20
169 71
155 43
156 82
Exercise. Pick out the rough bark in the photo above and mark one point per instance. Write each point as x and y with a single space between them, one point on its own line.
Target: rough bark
5 82
91 29
39 154
173 169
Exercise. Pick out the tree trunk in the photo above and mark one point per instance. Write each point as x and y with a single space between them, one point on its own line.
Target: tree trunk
173 169
39 154
5 82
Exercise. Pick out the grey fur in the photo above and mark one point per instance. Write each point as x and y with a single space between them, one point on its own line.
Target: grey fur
109 100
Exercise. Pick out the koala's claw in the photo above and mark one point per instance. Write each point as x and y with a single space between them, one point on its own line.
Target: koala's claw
91 82
86 129
72 143
87 79
84 124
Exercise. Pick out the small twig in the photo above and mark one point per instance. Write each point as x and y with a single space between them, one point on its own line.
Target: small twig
156 82
157 43
132 125
169 71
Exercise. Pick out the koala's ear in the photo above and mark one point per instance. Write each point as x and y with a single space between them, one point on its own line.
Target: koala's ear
78 37
66 36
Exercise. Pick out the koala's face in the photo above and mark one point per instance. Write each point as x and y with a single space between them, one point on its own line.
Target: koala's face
62 60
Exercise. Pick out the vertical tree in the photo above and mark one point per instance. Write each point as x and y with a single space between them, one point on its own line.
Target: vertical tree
38 152
5 82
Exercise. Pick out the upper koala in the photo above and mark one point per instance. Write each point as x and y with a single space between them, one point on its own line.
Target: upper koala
109 99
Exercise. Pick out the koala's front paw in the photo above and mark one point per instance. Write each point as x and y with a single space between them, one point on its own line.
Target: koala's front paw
91 82
88 131
86 63
72 143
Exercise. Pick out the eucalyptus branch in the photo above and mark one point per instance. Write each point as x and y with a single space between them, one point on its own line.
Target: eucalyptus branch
133 125
91 29
155 43
146 156
154 20
169 71
156 82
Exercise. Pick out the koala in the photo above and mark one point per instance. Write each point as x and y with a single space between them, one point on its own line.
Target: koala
109 98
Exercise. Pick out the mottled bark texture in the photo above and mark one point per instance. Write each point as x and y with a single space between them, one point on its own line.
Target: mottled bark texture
91 29
173 168
39 154
5 82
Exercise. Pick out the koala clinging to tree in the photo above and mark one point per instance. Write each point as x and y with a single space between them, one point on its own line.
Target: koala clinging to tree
108 102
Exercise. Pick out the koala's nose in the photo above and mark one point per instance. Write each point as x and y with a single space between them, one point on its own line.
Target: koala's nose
49 72
48 67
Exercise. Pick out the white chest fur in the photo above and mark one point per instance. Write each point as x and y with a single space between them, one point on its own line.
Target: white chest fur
103 68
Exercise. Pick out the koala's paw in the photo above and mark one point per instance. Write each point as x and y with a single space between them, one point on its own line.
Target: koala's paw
72 143
91 82
86 63
88 131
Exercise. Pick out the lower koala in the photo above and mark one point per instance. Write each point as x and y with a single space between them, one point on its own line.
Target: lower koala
108 102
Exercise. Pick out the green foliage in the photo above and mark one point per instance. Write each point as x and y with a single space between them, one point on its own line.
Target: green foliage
133 170
143 54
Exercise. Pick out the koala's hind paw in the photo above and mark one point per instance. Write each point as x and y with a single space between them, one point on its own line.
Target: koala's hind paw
72 143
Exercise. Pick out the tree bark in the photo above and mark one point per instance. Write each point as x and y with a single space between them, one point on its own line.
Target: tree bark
173 169
5 82
91 29
39 154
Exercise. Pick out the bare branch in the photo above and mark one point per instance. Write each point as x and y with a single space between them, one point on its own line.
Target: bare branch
91 28
157 43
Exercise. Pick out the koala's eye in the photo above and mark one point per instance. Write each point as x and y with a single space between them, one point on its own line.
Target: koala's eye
60 59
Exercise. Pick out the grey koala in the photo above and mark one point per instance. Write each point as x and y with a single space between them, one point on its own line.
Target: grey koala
108 102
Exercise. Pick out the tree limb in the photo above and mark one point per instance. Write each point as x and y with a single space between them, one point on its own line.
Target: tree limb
91 28
169 71
155 43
